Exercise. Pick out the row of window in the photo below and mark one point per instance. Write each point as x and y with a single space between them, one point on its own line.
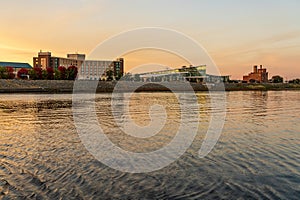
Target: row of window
93 69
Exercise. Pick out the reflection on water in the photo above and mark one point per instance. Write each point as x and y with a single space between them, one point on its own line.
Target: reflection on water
257 155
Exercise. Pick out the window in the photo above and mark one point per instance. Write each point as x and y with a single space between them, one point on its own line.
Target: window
87 70
43 62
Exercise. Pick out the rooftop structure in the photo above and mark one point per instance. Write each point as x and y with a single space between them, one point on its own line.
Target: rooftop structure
76 56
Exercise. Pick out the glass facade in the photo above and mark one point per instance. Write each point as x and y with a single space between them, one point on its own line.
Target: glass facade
192 74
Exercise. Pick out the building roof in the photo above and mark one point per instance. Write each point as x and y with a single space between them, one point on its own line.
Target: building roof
15 65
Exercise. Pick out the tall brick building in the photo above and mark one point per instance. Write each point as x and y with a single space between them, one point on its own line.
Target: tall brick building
258 75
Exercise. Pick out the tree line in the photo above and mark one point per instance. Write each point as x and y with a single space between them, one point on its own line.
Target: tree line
37 73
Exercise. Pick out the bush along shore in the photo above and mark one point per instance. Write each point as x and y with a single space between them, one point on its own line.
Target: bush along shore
66 86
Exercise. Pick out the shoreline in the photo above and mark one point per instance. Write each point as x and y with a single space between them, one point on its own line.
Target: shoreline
66 86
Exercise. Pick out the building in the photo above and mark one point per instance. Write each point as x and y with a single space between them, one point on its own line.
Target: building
87 69
118 67
16 65
258 75
217 79
191 74
45 60
94 70
76 56
103 70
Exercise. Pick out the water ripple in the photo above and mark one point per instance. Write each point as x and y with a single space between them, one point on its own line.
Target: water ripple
257 156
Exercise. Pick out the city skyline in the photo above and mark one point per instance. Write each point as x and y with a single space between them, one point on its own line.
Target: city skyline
237 35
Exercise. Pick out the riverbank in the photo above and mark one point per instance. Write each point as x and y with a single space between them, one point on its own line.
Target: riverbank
66 86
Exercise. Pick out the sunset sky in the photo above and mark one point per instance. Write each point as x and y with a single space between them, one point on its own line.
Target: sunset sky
236 34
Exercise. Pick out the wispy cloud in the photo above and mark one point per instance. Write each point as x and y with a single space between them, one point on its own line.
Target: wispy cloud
269 44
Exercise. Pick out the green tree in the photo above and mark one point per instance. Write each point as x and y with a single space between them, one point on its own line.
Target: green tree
71 73
277 79
109 75
57 74
7 73
32 74
3 73
44 75
296 81
36 73
119 76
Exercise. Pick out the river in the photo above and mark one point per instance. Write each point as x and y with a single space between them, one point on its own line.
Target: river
256 157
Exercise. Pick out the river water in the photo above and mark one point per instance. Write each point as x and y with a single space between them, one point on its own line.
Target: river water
257 155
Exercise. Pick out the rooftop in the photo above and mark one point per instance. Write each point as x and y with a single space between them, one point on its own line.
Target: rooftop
15 65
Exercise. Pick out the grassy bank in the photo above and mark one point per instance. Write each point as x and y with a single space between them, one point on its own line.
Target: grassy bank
66 86
261 86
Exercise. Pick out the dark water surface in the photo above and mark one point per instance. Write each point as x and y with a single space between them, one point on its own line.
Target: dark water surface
256 157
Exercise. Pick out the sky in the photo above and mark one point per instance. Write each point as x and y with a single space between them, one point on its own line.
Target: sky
236 34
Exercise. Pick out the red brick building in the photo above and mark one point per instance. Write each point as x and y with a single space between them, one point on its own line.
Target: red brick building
258 75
